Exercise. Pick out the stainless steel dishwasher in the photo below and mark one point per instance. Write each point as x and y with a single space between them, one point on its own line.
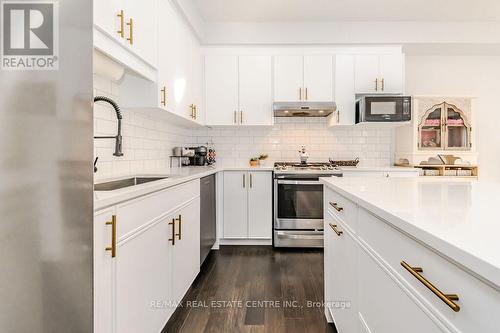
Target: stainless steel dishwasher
207 216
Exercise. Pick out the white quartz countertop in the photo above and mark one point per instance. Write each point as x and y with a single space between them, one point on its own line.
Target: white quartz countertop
176 176
458 218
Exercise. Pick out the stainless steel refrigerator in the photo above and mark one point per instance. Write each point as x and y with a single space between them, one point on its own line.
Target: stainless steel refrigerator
46 174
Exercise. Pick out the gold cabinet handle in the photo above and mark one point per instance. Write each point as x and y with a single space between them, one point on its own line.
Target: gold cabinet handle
130 38
306 93
376 84
121 32
192 111
251 181
179 234
112 223
195 111
164 96
334 227
244 177
446 298
235 117
241 117
382 82
336 206
300 94
173 232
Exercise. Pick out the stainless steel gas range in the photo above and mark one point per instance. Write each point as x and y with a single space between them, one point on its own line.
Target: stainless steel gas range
298 203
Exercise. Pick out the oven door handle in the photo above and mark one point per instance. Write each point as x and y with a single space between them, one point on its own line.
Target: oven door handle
299 182
283 235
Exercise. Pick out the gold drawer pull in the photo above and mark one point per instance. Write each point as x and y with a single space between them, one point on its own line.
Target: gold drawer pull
112 223
179 219
164 96
376 84
334 227
447 298
383 85
336 206
173 232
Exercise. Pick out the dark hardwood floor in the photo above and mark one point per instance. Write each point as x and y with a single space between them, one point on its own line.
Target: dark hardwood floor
225 296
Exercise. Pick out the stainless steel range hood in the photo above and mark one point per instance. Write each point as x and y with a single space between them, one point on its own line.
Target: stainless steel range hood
303 109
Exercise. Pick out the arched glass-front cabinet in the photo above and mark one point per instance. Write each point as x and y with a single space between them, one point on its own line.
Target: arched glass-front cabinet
444 126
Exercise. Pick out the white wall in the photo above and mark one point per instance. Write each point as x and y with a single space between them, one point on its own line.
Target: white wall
478 76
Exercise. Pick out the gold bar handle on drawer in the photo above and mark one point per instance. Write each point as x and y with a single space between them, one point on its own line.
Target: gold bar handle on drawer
192 110
179 219
300 94
306 93
251 181
195 111
173 232
130 38
446 298
121 32
336 206
235 117
337 231
112 223
376 84
383 85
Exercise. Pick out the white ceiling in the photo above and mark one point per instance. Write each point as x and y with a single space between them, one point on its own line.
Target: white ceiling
348 10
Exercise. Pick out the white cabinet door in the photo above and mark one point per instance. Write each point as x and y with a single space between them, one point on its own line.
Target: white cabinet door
255 90
221 89
318 78
167 60
141 278
391 72
106 19
260 208
384 306
344 91
288 78
186 251
141 27
343 277
367 74
235 204
103 273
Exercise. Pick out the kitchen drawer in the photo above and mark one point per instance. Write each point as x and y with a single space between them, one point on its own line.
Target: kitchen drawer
479 303
341 207
135 213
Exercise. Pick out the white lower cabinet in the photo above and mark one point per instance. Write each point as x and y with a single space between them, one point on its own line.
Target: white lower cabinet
384 306
247 205
364 264
142 270
141 276
341 293
186 250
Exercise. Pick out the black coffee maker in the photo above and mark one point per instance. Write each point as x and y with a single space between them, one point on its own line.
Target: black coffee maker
200 156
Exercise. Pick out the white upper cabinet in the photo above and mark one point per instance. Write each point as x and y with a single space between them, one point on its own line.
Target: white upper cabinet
391 72
221 89
128 25
255 90
238 90
318 78
367 73
141 28
303 78
379 74
288 78
344 91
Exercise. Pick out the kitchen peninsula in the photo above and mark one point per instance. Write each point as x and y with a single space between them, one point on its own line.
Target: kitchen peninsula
412 254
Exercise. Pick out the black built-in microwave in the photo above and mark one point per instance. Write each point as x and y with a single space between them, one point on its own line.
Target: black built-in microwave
383 109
